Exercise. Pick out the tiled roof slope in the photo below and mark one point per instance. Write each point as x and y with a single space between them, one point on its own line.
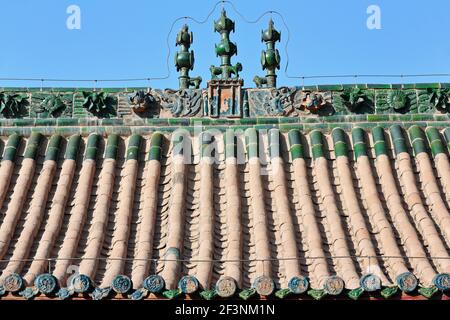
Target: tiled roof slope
342 213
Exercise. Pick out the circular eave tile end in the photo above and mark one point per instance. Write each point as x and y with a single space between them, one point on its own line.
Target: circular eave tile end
13 283
407 282
298 285
154 283
370 282
226 287
334 285
122 284
46 283
188 284
81 283
442 281
264 285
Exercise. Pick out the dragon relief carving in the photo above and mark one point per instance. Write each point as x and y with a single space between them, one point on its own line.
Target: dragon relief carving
181 103
354 100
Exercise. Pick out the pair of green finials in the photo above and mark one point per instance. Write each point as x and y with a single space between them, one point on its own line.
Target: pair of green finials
184 59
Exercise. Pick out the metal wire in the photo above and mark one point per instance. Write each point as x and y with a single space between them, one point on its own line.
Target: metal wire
246 20
225 260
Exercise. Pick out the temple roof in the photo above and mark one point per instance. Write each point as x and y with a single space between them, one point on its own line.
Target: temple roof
342 210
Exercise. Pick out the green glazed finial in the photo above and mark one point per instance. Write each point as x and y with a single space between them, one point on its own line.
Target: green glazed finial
270 58
184 60
225 49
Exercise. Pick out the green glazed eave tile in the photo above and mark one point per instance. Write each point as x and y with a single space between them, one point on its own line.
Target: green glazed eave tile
172 294
247 293
208 294
317 294
355 293
283 293
428 292
388 292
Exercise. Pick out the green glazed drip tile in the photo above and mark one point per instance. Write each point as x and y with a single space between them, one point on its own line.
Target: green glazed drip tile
208 294
317 294
172 294
389 292
355 293
247 293
428 292
283 293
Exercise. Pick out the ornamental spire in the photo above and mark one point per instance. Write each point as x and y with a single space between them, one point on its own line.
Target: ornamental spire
184 60
270 58
225 49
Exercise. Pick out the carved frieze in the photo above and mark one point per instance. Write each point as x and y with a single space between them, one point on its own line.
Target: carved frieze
225 98
179 103
13 105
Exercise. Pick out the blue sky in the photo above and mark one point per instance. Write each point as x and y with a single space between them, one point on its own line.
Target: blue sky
127 39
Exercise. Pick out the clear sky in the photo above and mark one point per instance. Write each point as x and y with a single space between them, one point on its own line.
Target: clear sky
127 39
